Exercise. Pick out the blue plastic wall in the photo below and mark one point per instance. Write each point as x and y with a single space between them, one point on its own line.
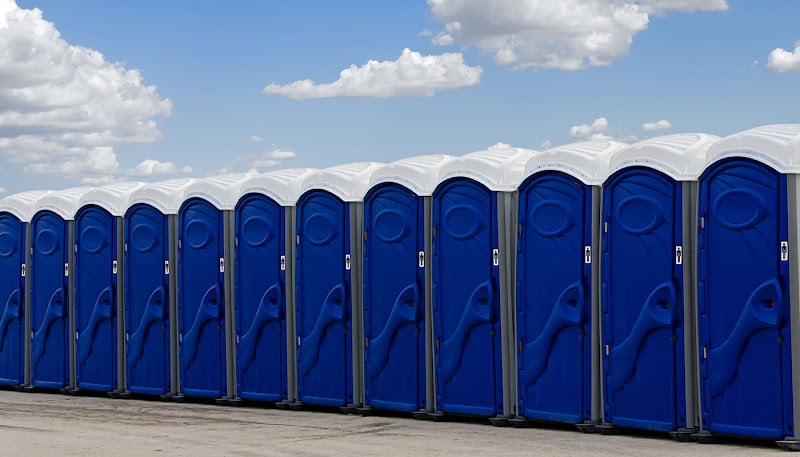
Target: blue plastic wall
260 299
49 301
12 300
325 355
96 299
201 299
642 301
554 303
147 301
746 385
394 303
466 300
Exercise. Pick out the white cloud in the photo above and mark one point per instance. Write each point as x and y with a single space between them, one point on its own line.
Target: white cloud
64 108
426 32
499 145
658 125
546 144
566 35
411 75
255 139
152 167
593 131
101 180
251 162
3 190
781 60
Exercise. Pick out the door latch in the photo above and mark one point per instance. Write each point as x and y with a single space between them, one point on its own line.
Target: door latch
587 254
66 269
221 265
166 267
784 251
113 267
421 259
283 263
347 261
495 257
23 270
678 255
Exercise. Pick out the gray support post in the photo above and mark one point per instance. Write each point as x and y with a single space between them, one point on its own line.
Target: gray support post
597 378
291 305
28 323
430 380
173 305
356 296
689 252
793 201
120 287
506 229
73 368
230 315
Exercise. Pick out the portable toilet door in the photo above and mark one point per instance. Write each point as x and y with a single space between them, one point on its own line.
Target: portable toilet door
263 304
397 209
647 303
98 288
150 288
747 284
471 297
557 295
52 324
203 304
328 287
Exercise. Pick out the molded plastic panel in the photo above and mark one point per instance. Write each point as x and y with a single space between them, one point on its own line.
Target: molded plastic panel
147 301
744 301
642 301
259 288
554 298
201 299
394 303
466 299
12 300
325 357
49 301
96 299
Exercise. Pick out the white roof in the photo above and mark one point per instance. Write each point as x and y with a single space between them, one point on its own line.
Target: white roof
499 169
349 182
282 186
419 174
112 197
680 156
165 196
221 191
777 146
64 203
23 204
587 161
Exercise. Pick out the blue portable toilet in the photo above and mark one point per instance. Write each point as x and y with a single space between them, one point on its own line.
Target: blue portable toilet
51 296
15 217
151 251
264 246
98 305
748 287
648 328
474 207
558 287
398 350
205 336
328 295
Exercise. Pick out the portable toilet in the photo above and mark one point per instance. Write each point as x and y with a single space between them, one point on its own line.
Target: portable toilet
51 297
151 251
205 331
16 212
99 336
748 285
264 246
474 207
648 323
558 278
398 350
328 295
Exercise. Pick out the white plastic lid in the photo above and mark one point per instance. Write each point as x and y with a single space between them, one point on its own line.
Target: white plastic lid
419 174
112 197
587 161
777 146
501 169
64 203
282 186
165 196
680 156
23 204
349 182
221 191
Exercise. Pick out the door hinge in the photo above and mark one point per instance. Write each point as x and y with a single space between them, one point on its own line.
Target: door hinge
297 240
237 339
608 349
495 257
366 342
221 265
347 261
605 226
113 267
421 259
77 336
180 337
180 244
166 267
125 246
127 337
520 229
283 263
521 345
705 352
702 222
298 341
587 254
784 251
438 344
678 255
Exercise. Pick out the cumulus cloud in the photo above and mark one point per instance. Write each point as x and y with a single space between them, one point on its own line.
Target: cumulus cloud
658 125
3 190
152 167
565 35
252 162
781 60
593 131
63 108
255 139
546 144
411 75
499 145
426 32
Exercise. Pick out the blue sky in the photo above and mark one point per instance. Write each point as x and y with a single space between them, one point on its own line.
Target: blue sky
525 73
